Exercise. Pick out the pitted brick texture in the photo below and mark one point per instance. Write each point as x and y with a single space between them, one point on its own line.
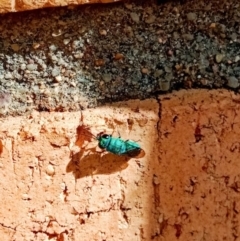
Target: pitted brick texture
186 187
53 190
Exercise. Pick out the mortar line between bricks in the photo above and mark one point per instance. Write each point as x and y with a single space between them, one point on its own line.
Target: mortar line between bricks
159 116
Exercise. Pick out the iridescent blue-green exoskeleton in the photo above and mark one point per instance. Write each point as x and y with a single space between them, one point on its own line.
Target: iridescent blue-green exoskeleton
118 146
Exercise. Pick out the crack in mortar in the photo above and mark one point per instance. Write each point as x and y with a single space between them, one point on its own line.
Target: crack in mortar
12 228
89 213
58 236
119 207
159 116
155 181
8 227
12 156
39 166
123 209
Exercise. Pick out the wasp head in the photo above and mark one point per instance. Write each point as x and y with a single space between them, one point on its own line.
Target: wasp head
103 140
102 135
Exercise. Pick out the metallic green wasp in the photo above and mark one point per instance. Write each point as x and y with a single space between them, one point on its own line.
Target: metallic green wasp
118 146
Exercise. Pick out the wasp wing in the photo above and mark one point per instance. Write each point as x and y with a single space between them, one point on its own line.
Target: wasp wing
133 149
83 134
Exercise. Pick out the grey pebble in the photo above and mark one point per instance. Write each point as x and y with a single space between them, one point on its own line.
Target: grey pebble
23 66
8 76
54 58
219 58
61 62
233 82
176 35
237 58
52 47
150 19
31 67
188 36
164 85
191 16
66 41
106 77
158 73
134 17
44 66
5 99
234 36
55 72
168 77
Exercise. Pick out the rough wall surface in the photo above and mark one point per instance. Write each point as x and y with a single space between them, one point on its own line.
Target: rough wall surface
51 189
186 187
22 5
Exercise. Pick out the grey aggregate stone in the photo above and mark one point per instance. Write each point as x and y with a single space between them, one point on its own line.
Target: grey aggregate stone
135 17
55 72
233 82
8 76
191 16
31 67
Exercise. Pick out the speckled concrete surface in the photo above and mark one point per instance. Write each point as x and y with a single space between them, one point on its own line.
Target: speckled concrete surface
67 59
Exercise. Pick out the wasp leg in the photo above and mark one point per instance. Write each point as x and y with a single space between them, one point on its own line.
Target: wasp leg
93 150
100 152
119 136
